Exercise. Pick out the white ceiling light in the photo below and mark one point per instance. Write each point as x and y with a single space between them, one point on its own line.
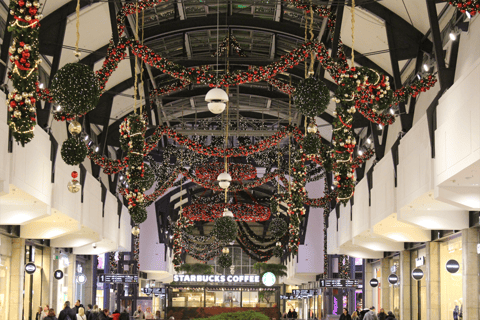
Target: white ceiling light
224 180
216 99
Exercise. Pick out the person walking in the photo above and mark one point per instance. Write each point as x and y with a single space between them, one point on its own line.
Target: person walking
38 316
124 315
382 315
355 315
78 305
139 314
390 316
158 315
81 314
50 315
371 315
345 315
94 314
67 313
116 315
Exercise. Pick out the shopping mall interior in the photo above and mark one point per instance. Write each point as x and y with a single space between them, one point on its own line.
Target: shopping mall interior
240 159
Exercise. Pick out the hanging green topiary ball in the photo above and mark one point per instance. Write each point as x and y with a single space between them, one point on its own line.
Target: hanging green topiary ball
226 229
75 88
225 260
73 151
312 97
145 182
278 227
139 214
278 252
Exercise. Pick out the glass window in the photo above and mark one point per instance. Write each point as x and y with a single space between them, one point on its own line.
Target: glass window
191 298
250 299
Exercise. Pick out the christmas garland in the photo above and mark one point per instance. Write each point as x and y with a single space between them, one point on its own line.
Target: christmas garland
229 40
24 56
470 6
241 212
248 232
238 171
181 225
344 267
136 250
113 262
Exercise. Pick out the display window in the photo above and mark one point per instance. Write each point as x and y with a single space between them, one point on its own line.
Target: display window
451 279
292 305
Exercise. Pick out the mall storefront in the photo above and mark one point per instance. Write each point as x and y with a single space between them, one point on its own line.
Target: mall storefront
195 296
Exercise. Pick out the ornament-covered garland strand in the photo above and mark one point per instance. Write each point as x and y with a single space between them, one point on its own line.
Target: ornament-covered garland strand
24 56
470 6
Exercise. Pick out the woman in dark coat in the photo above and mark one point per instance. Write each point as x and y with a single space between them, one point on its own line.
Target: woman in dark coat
390 316
345 315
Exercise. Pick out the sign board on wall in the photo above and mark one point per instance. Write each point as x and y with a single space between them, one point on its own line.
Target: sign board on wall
338 283
118 278
393 278
81 278
30 268
452 266
420 261
217 278
58 274
417 274
374 283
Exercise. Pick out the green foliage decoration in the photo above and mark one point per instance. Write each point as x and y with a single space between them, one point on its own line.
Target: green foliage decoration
279 270
225 229
278 227
73 151
225 260
75 88
243 315
312 143
312 97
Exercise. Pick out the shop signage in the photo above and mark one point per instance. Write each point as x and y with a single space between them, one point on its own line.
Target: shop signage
338 283
118 278
417 274
58 274
393 268
81 278
420 261
155 291
305 292
216 278
288 297
374 283
393 278
30 268
452 266
268 279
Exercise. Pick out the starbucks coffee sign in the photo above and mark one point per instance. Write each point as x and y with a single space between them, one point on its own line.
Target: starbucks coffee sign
216 278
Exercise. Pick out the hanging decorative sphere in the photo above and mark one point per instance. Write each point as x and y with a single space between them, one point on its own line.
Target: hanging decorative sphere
224 180
227 213
312 97
17 113
278 227
225 250
139 214
74 186
75 127
73 151
216 107
225 229
312 128
136 231
75 87
225 261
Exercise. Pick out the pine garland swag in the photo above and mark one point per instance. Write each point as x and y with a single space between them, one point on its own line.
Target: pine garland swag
73 151
75 88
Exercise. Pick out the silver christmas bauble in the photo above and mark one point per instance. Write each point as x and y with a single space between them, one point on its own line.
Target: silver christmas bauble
75 127
136 231
312 128
73 186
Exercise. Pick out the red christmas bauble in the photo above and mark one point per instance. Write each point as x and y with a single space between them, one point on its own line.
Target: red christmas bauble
74 174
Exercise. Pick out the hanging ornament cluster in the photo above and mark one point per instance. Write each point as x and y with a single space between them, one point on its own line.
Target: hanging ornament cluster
470 6
224 261
312 97
76 89
74 186
181 225
226 229
24 56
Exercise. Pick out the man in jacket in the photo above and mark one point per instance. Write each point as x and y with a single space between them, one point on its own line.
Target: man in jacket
67 313
124 315
370 315
78 305
138 315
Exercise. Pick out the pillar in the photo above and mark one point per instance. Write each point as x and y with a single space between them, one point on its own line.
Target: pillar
47 276
72 271
433 280
470 285
368 299
405 286
17 278
88 286
385 265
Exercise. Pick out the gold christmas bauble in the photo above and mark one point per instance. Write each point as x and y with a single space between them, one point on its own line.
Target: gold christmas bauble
75 127
17 114
225 250
73 186
136 231
312 128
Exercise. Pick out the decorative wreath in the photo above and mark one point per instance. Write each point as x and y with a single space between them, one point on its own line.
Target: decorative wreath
241 212
238 171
